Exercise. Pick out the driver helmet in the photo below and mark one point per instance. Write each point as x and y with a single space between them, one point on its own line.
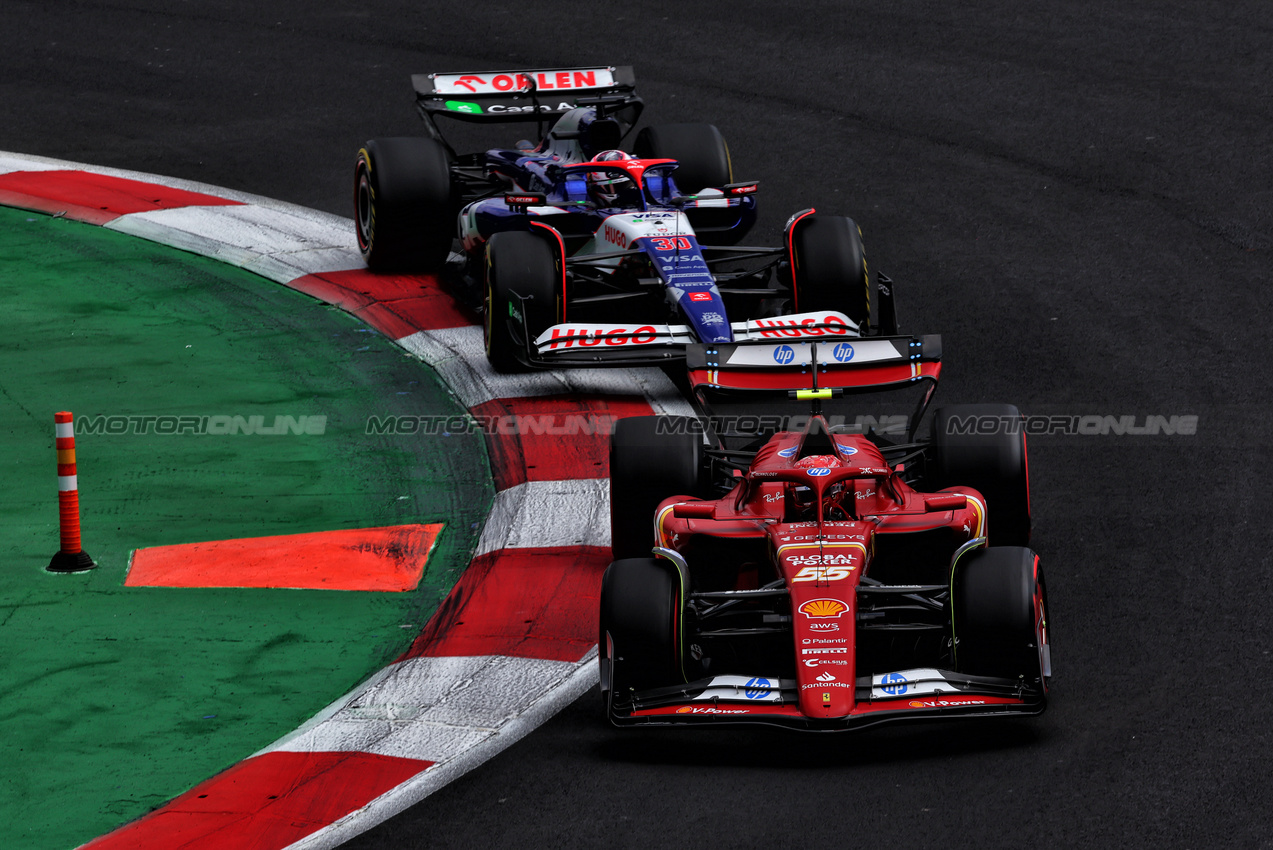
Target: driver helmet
605 186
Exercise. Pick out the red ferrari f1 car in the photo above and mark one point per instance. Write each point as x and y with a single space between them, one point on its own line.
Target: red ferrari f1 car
825 571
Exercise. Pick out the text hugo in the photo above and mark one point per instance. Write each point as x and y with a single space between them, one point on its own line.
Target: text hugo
805 327
566 337
615 236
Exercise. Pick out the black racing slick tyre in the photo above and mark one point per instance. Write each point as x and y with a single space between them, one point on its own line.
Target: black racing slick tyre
1000 616
639 641
828 268
983 446
522 294
404 212
699 148
651 458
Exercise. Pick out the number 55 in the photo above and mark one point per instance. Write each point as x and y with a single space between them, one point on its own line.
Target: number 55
823 573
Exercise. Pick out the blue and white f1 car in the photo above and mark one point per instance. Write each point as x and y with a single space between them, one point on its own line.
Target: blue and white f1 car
578 252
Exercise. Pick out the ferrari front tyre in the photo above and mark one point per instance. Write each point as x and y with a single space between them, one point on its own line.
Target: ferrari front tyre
640 620
404 212
828 268
999 606
699 149
522 295
651 458
983 446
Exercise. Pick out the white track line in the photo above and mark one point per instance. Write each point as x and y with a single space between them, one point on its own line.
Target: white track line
10 161
278 244
459 357
432 708
440 775
542 514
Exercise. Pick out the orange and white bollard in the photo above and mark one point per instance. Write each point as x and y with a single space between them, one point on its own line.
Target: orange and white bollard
71 558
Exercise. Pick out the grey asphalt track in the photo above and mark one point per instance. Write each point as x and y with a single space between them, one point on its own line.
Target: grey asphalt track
1078 197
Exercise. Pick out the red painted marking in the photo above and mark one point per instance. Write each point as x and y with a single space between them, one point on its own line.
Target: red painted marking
266 802
94 198
389 559
528 603
394 304
330 292
527 449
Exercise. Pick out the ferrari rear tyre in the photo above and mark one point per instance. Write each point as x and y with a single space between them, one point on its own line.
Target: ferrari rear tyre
523 281
983 446
828 268
403 204
699 148
639 644
651 458
1000 616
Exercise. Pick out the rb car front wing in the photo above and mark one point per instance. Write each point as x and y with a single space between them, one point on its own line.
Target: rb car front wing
579 344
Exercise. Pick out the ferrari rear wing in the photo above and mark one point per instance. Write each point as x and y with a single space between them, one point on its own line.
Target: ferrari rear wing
809 367
521 95
749 376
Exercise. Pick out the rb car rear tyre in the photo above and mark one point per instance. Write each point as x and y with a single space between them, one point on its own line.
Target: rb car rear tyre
1000 616
828 268
651 458
639 627
404 212
522 277
699 149
994 463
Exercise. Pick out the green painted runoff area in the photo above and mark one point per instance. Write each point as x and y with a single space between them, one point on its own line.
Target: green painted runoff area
115 699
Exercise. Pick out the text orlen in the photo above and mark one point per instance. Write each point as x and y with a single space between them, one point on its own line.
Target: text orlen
547 80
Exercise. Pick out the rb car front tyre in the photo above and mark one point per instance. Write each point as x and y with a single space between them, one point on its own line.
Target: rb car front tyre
522 294
828 268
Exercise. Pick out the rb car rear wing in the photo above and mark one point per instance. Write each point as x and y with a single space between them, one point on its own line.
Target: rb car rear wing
525 95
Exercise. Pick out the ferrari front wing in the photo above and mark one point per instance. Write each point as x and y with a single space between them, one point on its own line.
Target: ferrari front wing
919 694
